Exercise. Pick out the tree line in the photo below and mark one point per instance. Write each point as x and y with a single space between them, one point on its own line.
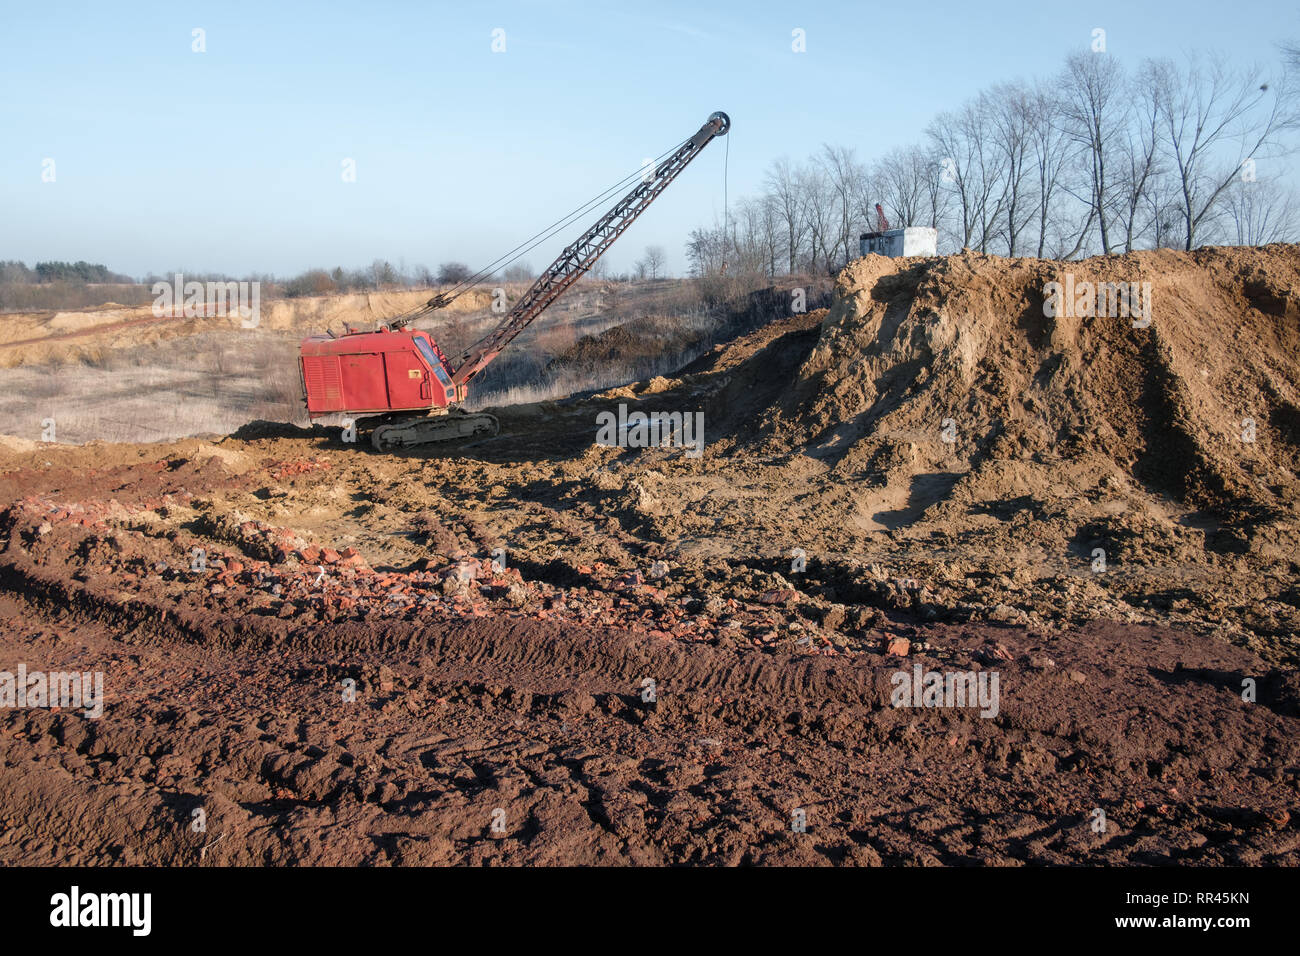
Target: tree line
15 272
1095 159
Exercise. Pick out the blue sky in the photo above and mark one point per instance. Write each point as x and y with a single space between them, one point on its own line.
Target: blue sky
230 160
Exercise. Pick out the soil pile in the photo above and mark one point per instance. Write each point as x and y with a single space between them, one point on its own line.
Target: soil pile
981 376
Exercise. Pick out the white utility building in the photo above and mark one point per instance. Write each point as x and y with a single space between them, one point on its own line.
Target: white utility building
910 241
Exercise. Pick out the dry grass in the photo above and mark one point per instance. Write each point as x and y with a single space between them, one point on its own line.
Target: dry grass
206 384
215 381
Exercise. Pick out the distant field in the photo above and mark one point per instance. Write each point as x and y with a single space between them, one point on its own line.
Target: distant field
117 374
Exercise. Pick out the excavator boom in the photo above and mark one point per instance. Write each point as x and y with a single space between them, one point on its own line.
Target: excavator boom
582 254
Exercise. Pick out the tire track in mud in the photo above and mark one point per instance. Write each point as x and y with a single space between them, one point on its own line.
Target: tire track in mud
543 657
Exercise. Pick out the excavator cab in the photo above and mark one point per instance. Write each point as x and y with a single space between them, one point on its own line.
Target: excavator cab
375 373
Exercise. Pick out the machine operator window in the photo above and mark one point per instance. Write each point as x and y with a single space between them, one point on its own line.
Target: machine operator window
423 345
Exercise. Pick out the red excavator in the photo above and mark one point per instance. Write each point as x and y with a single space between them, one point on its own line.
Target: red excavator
404 389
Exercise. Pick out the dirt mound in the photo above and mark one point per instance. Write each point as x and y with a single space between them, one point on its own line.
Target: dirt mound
625 345
632 345
952 368
937 427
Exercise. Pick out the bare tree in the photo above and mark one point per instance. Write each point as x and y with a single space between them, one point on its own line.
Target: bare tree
1011 116
1163 210
938 200
820 216
1216 122
971 166
769 238
754 239
957 161
1072 232
1052 154
382 274
1139 163
655 258
782 184
844 178
1263 212
706 251
1086 161
900 181
1093 109
450 273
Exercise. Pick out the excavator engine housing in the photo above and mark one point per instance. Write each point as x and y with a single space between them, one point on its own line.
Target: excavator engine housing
376 373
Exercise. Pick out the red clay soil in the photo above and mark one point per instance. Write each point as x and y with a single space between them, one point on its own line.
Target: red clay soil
486 729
